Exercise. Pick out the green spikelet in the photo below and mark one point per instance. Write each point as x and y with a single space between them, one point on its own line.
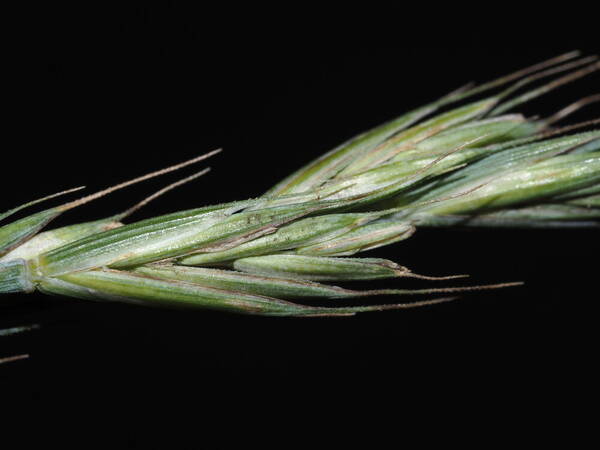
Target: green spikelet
460 160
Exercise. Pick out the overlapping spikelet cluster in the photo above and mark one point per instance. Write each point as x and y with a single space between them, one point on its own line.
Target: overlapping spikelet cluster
446 163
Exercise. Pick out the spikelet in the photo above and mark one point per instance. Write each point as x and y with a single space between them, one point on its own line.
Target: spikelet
460 160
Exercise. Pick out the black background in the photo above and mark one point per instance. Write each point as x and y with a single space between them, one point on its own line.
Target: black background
99 95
